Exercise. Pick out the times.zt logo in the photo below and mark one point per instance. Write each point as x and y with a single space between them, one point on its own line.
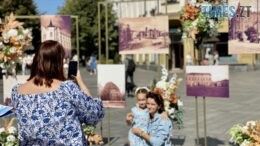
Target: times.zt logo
244 11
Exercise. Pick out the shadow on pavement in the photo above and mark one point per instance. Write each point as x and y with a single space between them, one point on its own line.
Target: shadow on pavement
112 140
210 141
178 140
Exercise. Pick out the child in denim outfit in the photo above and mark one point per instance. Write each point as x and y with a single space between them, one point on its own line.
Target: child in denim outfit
140 117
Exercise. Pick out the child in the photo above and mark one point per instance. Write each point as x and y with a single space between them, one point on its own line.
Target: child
140 117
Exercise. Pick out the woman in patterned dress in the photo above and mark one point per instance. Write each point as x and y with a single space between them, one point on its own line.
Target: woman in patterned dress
49 109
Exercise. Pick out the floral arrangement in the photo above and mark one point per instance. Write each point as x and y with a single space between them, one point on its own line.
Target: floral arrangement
9 135
91 136
13 41
167 87
246 135
194 22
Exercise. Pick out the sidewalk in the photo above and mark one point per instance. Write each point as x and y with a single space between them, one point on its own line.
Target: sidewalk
243 105
222 113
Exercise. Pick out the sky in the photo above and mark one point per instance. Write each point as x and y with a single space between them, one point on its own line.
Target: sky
49 6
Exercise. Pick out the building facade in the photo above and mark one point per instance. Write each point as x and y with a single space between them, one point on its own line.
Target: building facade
178 47
52 32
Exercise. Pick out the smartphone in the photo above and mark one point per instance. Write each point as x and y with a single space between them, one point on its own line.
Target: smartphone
73 67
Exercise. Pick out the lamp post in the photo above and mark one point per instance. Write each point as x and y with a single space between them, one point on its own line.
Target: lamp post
257 27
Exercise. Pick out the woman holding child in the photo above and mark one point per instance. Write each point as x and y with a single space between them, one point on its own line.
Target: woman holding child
158 130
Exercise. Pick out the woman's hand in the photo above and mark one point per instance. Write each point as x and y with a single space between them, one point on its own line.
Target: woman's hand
78 77
129 118
81 84
139 132
136 131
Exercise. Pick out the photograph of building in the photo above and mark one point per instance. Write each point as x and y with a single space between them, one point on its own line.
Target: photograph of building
209 81
55 27
111 89
144 35
244 28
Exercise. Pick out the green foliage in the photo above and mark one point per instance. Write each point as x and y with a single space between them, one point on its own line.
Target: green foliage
88 129
18 7
117 59
8 139
237 134
87 10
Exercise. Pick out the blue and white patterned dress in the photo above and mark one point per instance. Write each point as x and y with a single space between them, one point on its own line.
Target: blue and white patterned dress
55 117
141 119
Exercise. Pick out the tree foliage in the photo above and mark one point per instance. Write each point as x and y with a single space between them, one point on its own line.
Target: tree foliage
87 11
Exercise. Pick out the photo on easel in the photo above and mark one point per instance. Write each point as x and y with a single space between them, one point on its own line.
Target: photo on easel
207 81
244 27
111 85
58 28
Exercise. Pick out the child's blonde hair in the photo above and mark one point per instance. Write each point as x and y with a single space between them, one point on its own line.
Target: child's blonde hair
143 90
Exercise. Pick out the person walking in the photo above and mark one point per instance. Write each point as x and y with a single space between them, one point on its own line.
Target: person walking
130 69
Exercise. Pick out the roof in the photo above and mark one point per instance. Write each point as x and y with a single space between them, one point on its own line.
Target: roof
51 25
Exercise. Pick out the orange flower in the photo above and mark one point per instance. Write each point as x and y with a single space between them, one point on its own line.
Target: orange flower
190 12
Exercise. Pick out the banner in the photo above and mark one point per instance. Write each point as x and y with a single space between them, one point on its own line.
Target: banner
58 28
111 85
144 35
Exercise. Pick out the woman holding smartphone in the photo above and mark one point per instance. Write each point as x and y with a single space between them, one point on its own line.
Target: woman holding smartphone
49 109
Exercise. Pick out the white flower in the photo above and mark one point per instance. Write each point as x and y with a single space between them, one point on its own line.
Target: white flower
180 103
2 129
2 66
211 23
12 33
245 129
245 143
5 36
10 138
1 45
20 37
173 79
162 84
26 31
12 50
171 111
251 123
6 40
12 130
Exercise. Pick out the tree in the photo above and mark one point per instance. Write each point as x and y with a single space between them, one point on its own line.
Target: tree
23 7
87 10
18 7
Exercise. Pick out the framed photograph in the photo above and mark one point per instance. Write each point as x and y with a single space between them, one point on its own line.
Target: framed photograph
243 35
58 28
111 85
208 81
144 35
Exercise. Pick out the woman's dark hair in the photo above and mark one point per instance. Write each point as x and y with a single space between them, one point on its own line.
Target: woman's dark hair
48 63
158 99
